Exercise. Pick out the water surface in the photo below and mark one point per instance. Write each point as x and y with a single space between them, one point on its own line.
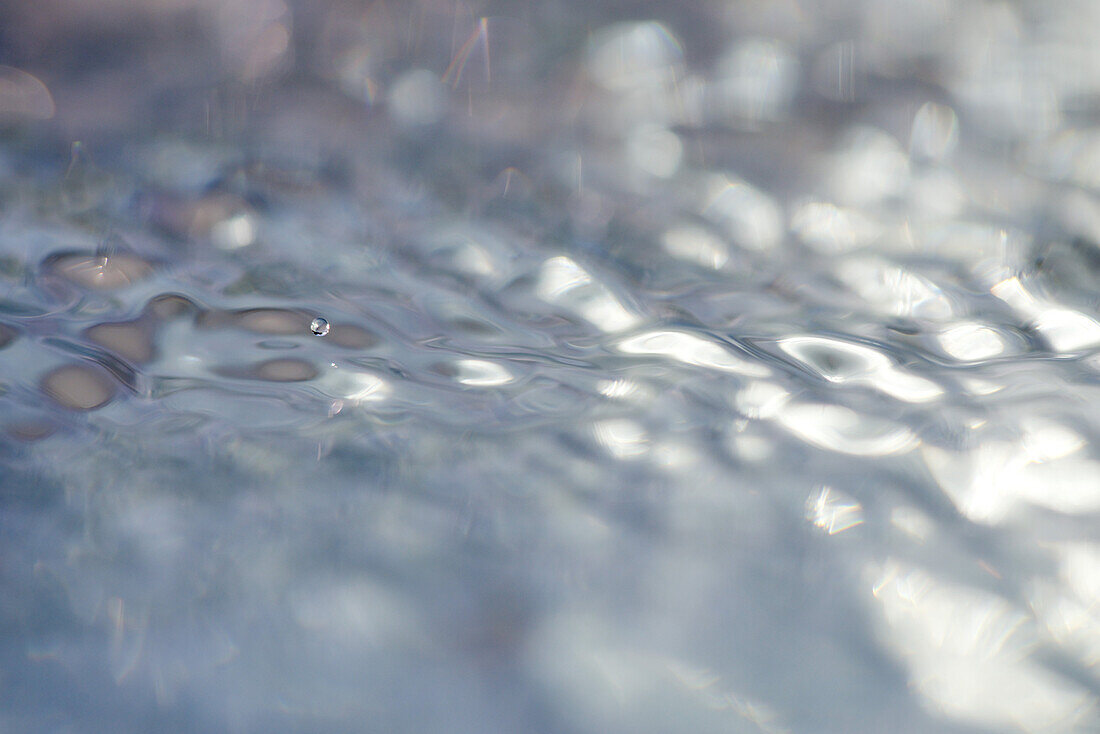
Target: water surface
722 368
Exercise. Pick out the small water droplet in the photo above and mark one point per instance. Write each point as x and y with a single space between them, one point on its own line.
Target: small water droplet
319 326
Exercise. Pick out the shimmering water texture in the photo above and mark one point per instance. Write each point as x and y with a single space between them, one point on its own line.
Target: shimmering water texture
733 367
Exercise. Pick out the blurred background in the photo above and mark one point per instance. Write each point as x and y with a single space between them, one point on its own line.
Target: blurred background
714 366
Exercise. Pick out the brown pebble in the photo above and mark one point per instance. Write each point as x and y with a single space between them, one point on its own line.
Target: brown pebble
100 272
285 370
23 97
272 321
188 218
78 387
7 334
133 340
209 211
168 306
30 431
351 336
474 326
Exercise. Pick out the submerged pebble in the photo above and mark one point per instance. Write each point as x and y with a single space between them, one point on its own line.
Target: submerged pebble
78 387
351 336
30 431
133 341
7 335
285 370
169 306
708 367
100 272
269 321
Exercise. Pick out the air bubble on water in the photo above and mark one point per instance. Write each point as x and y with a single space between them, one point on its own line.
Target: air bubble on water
319 326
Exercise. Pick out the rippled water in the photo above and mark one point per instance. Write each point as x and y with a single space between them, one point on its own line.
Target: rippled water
717 367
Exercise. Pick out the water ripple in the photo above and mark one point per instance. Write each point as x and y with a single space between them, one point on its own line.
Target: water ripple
695 367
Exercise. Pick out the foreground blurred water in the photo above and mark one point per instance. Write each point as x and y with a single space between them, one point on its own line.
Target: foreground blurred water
694 367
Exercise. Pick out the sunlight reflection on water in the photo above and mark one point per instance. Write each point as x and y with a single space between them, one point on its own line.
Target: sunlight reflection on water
730 368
